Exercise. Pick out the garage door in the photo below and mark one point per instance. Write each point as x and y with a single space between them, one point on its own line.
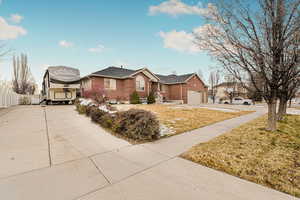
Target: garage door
194 98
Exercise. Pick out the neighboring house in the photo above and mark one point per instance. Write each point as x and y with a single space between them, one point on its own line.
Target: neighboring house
118 83
226 87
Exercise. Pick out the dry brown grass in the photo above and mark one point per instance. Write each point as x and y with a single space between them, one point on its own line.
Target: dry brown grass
183 119
250 152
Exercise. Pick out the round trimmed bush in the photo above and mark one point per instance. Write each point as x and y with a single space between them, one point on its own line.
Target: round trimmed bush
81 108
89 110
107 120
96 114
137 124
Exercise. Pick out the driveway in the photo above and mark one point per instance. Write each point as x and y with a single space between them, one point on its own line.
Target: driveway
54 153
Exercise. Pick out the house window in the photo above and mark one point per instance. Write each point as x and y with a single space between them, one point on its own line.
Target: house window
110 84
162 87
140 83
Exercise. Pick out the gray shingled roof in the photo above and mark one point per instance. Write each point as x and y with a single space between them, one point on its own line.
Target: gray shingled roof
173 79
116 72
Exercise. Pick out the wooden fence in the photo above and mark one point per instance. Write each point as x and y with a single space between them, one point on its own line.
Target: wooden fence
7 96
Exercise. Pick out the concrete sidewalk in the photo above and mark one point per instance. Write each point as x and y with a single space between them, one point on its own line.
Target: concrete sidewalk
58 154
178 144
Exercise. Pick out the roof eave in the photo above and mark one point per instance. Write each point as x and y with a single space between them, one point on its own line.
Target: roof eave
105 76
173 83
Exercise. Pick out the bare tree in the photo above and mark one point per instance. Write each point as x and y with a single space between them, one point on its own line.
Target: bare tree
23 82
214 79
252 93
290 82
248 40
200 74
286 93
231 87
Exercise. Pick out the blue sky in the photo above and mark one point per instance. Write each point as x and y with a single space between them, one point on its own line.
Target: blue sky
94 34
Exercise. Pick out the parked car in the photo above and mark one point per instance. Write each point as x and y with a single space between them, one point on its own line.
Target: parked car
238 101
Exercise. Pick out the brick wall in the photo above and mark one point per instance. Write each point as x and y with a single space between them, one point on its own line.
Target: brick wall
145 93
124 88
195 84
175 92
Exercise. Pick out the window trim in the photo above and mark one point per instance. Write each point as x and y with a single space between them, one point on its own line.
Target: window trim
110 84
137 84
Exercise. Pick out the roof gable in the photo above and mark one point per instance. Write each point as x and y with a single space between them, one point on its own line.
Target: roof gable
148 73
174 79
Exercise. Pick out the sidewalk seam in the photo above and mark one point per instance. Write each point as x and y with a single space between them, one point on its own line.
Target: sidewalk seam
48 138
100 171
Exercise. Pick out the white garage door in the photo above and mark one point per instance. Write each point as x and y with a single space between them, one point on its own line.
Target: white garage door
194 98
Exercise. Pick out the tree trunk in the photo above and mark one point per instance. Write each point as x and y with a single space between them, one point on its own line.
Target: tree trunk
272 120
282 108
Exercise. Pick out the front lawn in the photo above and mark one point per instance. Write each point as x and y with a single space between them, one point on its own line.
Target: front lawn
252 153
180 120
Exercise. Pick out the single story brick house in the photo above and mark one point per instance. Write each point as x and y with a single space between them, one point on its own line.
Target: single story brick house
118 83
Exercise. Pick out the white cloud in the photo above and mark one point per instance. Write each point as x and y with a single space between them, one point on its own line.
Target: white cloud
16 18
180 41
186 41
100 48
177 7
64 43
10 31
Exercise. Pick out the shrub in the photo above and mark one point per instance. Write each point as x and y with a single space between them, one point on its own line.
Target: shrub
25 100
81 108
89 110
137 124
107 120
96 115
151 98
135 98
111 108
76 101
98 96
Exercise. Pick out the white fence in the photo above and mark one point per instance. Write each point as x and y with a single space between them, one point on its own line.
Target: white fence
7 96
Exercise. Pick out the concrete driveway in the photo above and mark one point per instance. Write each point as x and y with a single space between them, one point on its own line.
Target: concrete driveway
54 153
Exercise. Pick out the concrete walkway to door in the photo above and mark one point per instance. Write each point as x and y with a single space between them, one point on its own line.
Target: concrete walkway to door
52 153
